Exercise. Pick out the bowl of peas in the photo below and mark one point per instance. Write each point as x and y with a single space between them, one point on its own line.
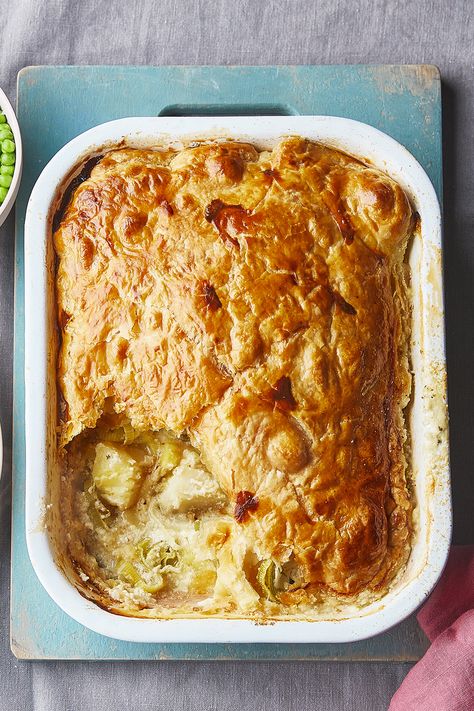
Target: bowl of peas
11 162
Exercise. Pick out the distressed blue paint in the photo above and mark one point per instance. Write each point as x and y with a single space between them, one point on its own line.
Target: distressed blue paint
57 103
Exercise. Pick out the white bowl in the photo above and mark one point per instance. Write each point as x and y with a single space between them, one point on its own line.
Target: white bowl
427 417
7 204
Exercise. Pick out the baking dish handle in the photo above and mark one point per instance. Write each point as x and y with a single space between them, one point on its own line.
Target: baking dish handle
259 109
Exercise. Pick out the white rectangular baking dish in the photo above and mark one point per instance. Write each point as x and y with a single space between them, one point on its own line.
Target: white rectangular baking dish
428 411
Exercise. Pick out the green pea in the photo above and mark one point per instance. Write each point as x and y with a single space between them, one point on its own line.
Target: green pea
7 159
8 146
5 181
3 193
7 169
5 132
3 118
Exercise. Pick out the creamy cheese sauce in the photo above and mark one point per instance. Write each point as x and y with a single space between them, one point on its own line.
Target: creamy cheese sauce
154 525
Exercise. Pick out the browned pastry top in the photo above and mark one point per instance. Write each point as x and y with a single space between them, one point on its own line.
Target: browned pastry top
255 300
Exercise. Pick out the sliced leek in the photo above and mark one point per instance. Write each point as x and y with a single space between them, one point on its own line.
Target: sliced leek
170 455
267 574
125 434
128 572
157 555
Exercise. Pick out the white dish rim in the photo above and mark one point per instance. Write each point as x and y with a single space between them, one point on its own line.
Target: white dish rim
356 138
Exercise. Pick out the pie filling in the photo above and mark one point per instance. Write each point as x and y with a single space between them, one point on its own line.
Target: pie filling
153 527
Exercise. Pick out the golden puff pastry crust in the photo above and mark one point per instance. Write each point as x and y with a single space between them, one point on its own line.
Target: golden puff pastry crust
257 302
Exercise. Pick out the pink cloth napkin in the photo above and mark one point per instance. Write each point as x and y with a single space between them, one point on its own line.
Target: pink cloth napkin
443 680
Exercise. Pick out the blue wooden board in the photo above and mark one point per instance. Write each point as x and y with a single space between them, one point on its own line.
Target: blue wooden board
57 103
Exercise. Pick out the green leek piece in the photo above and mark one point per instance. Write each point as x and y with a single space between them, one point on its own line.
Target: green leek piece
266 578
170 455
95 517
128 572
98 512
143 548
157 555
124 434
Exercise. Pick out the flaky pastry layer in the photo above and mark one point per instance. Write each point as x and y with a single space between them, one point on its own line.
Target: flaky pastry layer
256 302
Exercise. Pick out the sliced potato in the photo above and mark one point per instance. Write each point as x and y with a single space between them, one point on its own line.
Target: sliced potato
190 488
117 474
204 577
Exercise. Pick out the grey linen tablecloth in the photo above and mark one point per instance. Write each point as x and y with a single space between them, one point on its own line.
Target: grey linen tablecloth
248 32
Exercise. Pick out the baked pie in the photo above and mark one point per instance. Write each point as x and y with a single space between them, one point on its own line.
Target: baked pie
232 375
